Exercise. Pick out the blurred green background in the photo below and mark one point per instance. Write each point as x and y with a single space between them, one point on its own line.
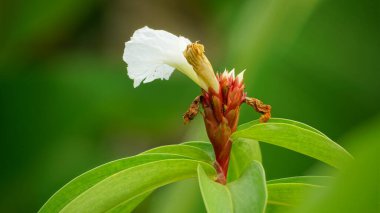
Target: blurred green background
67 104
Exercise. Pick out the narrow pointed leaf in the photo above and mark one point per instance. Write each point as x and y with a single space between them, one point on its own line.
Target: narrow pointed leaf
132 182
111 173
246 194
296 138
85 181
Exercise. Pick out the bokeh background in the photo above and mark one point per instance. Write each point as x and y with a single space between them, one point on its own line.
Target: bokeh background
67 104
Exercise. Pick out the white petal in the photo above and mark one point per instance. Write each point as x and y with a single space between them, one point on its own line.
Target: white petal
154 54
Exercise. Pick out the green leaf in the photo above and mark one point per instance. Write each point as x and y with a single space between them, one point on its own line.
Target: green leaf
314 180
182 150
243 152
216 197
249 193
85 181
281 120
283 196
297 138
168 201
112 184
129 205
246 194
205 146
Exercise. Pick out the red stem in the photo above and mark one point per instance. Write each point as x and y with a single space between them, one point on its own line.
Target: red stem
222 155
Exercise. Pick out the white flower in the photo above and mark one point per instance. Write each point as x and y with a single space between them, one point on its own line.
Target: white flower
155 54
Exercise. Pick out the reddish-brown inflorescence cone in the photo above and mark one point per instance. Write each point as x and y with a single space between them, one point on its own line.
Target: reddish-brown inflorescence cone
221 115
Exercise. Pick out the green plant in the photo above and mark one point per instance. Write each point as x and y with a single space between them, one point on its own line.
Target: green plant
229 170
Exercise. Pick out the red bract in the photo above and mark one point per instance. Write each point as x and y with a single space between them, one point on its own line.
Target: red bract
221 116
